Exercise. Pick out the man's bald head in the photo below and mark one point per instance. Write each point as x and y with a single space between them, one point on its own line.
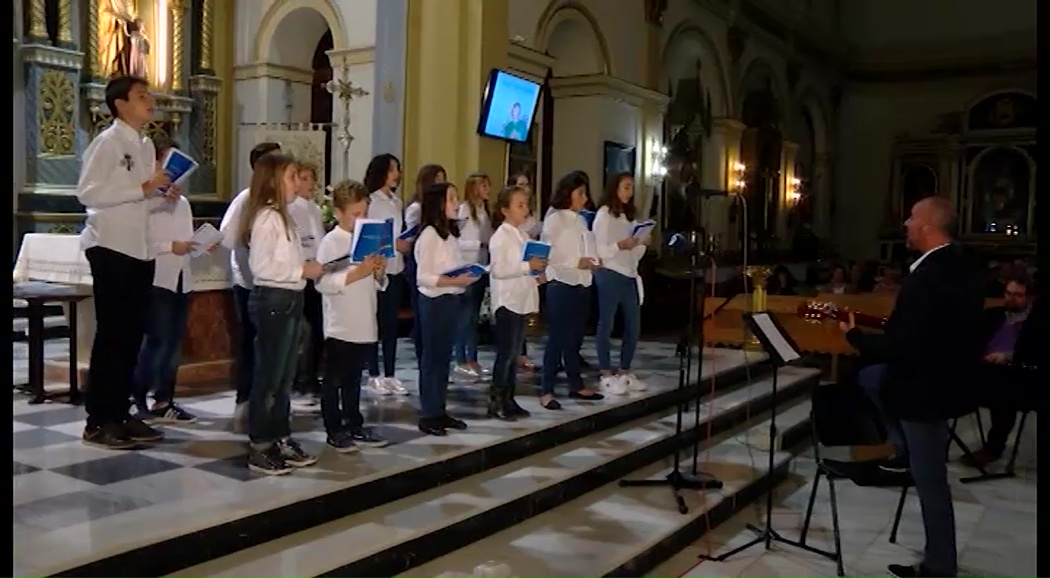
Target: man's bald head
930 223
937 212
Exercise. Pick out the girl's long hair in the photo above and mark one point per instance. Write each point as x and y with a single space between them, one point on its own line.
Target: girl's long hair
612 197
470 195
433 210
266 192
503 202
425 177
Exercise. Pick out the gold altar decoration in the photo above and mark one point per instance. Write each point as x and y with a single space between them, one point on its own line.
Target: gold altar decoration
56 110
38 19
155 129
758 274
65 21
92 56
208 139
206 34
178 14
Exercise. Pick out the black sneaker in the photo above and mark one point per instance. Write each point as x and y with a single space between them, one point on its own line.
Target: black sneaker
915 571
110 436
449 422
342 442
294 455
170 413
268 461
895 465
365 437
138 431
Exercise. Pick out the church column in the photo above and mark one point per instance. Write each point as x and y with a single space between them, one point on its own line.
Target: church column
353 72
452 45
821 188
388 98
786 200
654 16
204 90
65 23
178 43
206 27
719 154
38 22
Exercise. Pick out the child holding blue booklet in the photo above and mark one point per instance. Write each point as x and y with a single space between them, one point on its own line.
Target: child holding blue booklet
515 277
441 303
349 301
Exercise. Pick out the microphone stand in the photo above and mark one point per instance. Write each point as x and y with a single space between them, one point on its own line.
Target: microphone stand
678 480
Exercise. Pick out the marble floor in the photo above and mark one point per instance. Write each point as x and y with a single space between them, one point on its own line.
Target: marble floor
73 504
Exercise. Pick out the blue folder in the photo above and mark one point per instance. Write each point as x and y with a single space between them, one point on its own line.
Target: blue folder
537 249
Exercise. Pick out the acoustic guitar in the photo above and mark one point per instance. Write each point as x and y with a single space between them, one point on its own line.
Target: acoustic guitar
819 310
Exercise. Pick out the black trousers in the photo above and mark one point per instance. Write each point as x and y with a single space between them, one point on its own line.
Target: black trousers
386 314
341 392
245 363
313 350
121 286
1008 391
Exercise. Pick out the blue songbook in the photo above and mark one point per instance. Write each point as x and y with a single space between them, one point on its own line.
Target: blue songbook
472 270
179 166
410 233
372 237
535 249
588 217
642 229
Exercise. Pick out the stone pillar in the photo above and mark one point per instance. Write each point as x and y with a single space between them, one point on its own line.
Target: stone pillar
784 201
179 10
449 75
353 118
204 90
65 23
205 63
822 191
718 155
388 98
38 23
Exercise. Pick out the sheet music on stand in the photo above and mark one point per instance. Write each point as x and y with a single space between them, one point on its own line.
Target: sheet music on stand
772 336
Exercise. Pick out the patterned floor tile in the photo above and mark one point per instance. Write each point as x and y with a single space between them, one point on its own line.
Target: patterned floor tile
74 508
118 468
42 484
40 437
20 469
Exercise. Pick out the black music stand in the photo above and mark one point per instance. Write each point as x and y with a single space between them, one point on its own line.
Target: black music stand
678 480
782 350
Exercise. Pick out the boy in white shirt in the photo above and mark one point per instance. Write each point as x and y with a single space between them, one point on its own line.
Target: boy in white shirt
170 234
119 181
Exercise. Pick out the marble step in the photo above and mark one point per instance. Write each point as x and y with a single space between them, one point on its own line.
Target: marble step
396 536
615 531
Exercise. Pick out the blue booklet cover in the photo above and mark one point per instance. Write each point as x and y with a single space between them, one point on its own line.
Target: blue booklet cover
588 217
410 233
179 166
472 269
537 249
372 237
642 229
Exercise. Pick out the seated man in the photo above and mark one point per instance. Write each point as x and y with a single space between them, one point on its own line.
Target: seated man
1007 330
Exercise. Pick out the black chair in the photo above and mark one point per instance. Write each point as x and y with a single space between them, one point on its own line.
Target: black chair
842 416
1023 377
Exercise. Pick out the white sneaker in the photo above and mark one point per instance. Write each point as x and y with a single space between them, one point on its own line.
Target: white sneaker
613 385
306 405
378 385
394 386
239 423
465 373
633 383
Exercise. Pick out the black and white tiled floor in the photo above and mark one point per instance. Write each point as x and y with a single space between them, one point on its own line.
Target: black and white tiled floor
73 504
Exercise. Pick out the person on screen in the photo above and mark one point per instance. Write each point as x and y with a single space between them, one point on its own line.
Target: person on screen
515 128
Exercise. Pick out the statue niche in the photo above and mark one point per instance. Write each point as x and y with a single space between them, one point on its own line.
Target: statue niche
1001 179
122 42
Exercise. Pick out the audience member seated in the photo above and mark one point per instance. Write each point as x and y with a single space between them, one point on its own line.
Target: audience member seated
888 280
782 282
838 284
1002 272
862 276
1009 331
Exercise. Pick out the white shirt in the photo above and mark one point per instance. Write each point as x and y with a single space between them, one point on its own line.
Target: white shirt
608 231
309 223
230 227
385 206
115 165
171 221
413 214
275 253
512 285
915 265
435 257
474 235
564 231
531 227
349 310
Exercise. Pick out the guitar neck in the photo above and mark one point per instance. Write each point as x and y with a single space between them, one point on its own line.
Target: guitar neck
863 319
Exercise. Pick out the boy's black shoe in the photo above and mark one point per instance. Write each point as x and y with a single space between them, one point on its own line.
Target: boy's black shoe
110 436
342 442
366 437
268 461
137 430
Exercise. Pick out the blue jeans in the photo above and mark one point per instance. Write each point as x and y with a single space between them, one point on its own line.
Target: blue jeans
245 361
161 349
927 444
436 316
413 299
386 314
566 309
617 292
467 334
510 335
870 381
277 315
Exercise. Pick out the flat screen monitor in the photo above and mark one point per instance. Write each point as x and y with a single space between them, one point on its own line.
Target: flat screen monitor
508 107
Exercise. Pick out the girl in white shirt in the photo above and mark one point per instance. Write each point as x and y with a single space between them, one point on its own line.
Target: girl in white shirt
618 283
309 222
275 256
515 294
441 302
427 175
568 290
475 229
531 227
351 330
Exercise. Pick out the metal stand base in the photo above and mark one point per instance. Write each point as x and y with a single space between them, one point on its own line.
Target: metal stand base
768 536
678 481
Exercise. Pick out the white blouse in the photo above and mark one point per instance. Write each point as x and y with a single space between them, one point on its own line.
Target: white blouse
309 223
413 214
608 231
383 206
564 231
512 285
349 310
474 235
435 257
240 272
168 222
275 253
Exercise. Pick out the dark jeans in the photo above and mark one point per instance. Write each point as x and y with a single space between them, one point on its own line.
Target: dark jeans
161 350
617 292
245 362
121 286
566 320
386 314
870 380
309 364
341 392
510 334
278 318
413 299
1008 392
467 333
927 442
437 315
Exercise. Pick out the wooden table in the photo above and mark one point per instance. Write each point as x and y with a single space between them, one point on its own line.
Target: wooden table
37 294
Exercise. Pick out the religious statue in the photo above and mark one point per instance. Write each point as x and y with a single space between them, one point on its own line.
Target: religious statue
123 45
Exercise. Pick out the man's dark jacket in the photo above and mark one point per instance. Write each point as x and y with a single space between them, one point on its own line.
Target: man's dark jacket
933 340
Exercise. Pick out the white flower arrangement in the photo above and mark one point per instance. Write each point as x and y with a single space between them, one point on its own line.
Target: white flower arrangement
485 315
327 212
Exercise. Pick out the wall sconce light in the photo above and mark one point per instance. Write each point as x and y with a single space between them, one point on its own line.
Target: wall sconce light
795 189
736 178
658 162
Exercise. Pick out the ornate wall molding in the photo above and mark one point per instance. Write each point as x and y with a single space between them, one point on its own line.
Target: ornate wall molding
532 64
609 87
274 71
